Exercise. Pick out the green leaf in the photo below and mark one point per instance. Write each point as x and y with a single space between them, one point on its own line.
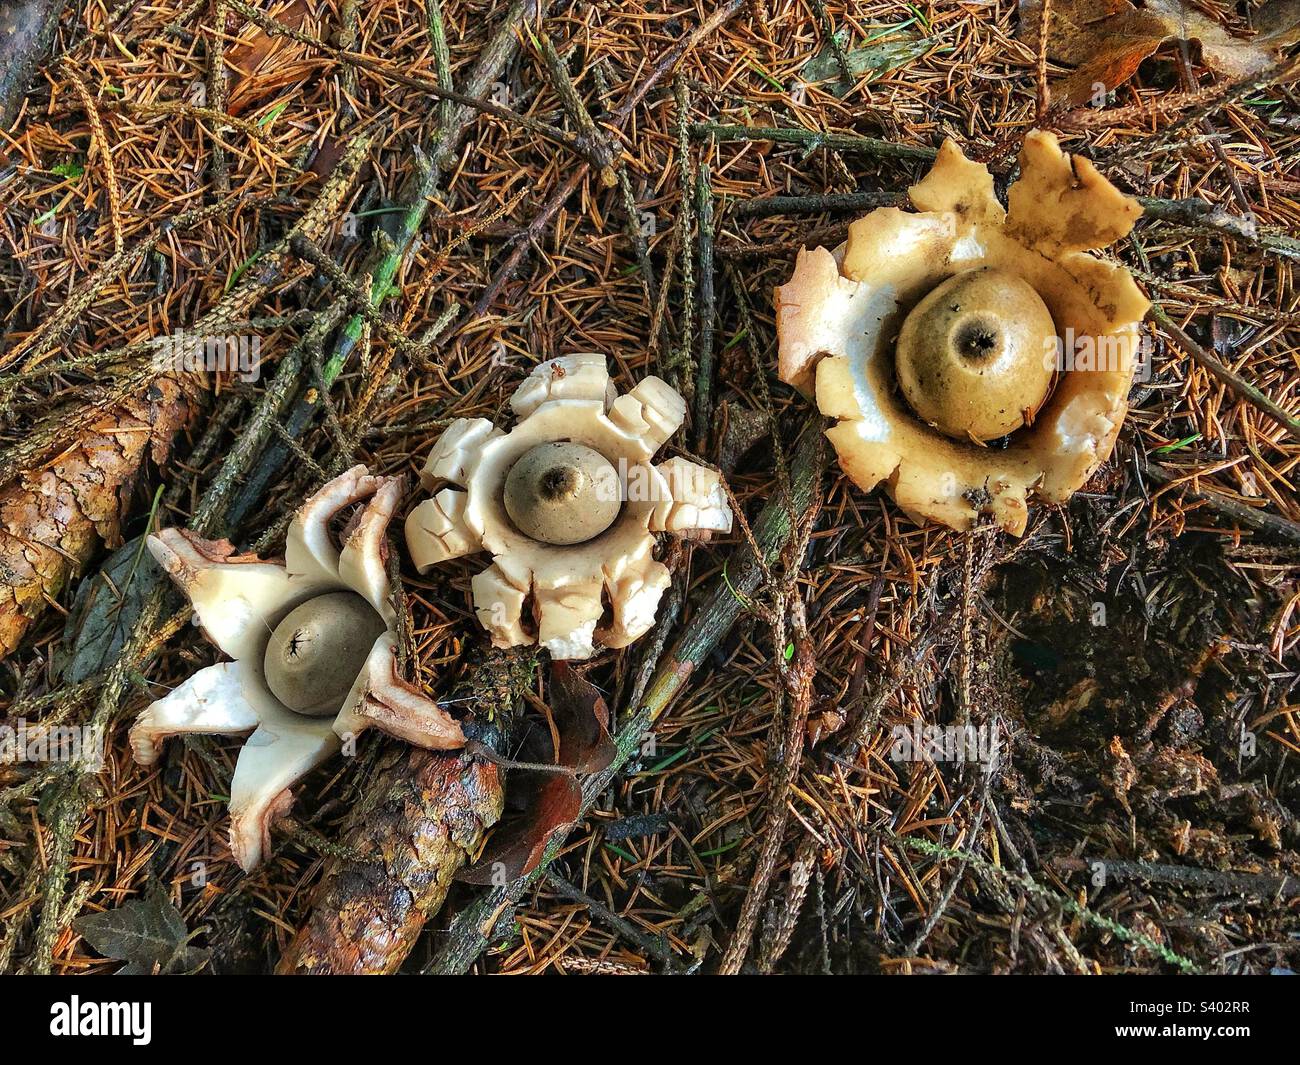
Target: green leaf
72 171
877 57
148 934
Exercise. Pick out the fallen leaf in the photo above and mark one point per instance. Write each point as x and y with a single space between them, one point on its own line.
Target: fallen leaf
148 934
876 58
582 720
1106 40
547 801
105 610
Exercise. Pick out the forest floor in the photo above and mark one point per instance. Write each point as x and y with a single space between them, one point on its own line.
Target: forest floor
1133 653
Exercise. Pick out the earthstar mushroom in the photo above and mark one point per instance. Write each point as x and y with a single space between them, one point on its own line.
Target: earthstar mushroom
878 311
312 648
567 503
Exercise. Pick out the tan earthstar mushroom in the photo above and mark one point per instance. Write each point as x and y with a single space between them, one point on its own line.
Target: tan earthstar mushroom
567 503
312 647
990 322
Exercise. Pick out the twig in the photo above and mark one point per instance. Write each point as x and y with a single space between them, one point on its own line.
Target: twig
654 946
382 266
477 102
1028 884
602 156
765 206
797 693
474 927
216 95
707 308
100 141
1233 380
27 30
839 142
1242 513
1263 885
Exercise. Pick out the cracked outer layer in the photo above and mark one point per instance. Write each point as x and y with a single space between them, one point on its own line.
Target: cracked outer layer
564 589
838 316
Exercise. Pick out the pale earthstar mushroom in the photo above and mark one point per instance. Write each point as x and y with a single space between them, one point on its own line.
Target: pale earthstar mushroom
312 647
567 503
1004 325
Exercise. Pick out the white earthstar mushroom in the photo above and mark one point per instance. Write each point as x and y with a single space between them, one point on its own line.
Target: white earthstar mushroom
991 322
313 647
567 503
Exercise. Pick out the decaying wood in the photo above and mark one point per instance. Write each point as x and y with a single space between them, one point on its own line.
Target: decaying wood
53 520
421 819
26 32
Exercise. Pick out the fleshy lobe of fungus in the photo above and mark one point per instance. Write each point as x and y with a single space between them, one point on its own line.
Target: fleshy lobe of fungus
556 564
838 316
328 606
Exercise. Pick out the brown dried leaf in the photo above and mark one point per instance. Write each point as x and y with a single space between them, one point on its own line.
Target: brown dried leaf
549 801
1106 40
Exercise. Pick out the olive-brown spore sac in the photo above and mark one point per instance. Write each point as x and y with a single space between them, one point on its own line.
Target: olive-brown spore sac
975 357
562 493
317 651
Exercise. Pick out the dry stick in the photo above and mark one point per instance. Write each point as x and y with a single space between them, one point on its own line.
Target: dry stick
620 116
99 139
216 82
1192 212
685 223
383 264
1242 513
474 928
654 946
602 154
1233 380
1044 94
311 252
27 30
773 946
640 246
707 306
477 102
1263 885
797 684
839 142
1032 887
766 206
